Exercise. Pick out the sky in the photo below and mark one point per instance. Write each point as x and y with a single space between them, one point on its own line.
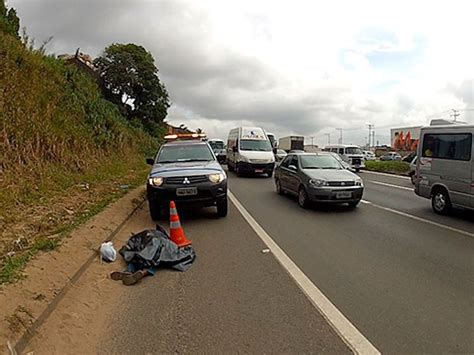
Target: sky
291 67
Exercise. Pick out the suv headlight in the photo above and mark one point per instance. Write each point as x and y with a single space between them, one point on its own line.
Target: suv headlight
318 182
216 178
359 182
156 181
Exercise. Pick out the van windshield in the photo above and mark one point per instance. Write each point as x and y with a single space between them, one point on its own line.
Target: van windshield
353 150
256 145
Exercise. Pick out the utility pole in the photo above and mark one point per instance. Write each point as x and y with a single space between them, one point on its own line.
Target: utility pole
370 126
312 141
455 114
329 138
340 135
373 137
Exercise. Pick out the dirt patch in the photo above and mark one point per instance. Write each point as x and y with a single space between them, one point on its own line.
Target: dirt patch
48 273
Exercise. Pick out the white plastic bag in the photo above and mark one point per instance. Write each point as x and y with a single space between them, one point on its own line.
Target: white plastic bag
108 252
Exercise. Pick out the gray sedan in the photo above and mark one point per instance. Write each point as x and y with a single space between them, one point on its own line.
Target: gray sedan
318 178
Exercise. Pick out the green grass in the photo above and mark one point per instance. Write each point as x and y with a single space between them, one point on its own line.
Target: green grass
107 175
393 167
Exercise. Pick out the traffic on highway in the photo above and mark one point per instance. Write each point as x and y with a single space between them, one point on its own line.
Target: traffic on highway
387 272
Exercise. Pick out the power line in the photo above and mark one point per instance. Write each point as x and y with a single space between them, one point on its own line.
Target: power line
329 138
340 135
455 114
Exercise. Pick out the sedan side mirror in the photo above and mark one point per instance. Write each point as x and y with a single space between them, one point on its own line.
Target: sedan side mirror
150 161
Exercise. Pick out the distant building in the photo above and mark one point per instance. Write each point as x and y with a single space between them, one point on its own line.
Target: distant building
83 62
177 130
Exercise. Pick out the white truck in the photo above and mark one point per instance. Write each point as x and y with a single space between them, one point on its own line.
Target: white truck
290 143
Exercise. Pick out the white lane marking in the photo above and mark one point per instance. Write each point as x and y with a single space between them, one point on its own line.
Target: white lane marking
452 229
356 341
385 174
391 185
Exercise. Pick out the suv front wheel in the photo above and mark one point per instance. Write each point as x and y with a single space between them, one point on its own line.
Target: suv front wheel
222 207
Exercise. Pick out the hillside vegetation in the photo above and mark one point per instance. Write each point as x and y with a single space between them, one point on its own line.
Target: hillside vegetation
65 151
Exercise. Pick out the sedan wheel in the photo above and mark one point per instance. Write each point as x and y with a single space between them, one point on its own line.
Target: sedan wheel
303 199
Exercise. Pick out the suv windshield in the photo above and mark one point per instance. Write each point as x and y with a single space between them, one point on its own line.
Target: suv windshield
319 162
256 145
353 150
180 153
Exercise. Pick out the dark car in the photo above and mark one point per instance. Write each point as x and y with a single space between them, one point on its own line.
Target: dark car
221 155
318 178
187 172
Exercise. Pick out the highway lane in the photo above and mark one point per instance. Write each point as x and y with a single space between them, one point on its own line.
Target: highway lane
397 193
407 285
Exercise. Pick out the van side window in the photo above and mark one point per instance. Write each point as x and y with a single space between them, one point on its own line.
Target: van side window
453 146
341 151
334 150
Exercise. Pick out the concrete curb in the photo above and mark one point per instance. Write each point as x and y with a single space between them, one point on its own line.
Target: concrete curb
29 332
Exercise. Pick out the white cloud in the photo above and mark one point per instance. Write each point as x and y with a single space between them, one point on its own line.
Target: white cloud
302 67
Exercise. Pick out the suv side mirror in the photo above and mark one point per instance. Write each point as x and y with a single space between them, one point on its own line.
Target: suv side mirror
150 161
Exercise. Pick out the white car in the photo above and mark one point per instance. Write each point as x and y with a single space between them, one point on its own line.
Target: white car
368 155
280 155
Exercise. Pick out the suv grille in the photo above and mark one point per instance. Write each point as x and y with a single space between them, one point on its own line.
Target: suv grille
341 183
355 160
178 180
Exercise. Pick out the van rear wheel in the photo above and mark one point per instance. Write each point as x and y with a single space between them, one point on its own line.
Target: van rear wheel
440 201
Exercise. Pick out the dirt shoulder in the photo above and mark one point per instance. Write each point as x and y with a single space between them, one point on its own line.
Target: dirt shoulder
233 299
47 274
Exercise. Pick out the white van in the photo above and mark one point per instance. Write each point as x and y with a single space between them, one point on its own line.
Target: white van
249 151
445 168
351 154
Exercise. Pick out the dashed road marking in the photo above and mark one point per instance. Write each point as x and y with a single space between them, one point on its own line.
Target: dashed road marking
440 225
390 185
356 341
385 174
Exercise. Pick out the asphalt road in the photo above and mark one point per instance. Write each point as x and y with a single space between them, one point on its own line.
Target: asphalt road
401 275
234 299
405 283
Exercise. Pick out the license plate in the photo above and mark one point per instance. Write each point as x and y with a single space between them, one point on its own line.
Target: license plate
343 194
258 171
186 191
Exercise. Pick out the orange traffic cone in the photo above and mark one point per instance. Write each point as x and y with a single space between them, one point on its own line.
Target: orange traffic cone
176 232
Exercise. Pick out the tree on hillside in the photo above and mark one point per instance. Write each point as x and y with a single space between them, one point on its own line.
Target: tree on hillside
9 21
130 73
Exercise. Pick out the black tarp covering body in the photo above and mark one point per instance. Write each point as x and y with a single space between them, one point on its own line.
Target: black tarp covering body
153 247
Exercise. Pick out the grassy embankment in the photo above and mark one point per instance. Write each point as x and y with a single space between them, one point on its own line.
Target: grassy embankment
65 153
393 167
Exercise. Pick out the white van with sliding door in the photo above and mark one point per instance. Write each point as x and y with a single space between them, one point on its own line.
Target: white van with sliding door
445 167
249 151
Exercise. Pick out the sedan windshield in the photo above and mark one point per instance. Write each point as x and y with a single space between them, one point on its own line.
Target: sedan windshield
255 145
319 162
182 153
